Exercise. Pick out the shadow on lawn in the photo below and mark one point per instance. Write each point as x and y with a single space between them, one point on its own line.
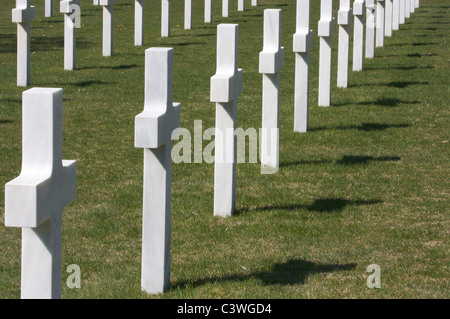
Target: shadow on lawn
9 43
5 121
379 102
291 272
345 160
321 205
368 127
117 67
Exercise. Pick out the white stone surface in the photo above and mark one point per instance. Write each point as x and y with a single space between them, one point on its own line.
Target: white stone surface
188 14
395 14
370 28
153 130
271 61
388 19
380 24
107 25
66 7
139 22
48 8
226 85
241 5
412 6
417 3
22 15
208 11
407 9
165 18
301 46
225 8
35 199
359 9
402 11
344 18
325 32
254 3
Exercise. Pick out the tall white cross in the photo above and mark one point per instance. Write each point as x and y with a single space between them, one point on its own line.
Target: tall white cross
153 131
344 18
370 28
226 85
402 11
187 14
302 43
22 15
107 25
67 7
165 18
241 5
380 24
35 200
271 61
358 34
325 32
139 22
395 14
225 5
48 8
208 11
388 19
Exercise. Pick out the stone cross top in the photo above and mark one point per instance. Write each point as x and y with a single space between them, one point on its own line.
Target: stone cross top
226 85
344 18
325 32
153 130
22 15
35 200
271 61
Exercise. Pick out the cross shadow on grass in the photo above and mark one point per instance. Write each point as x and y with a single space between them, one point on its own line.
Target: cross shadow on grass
345 160
6 121
389 102
367 127
117 67
291 272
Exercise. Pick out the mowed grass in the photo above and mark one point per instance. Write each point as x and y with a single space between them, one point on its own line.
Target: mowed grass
369 183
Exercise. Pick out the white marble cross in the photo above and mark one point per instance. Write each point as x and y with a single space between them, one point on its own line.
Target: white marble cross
412 6
254 3
407 9
388 19
225 5
395 15
139 22
302 43
208 11
370 28
241 5
226 85
107 25
48 8
402 11
358 34
417 3
34 201
380 24
344 18
271 61
165 18
153 131
325 32
187 14
22 15
67 7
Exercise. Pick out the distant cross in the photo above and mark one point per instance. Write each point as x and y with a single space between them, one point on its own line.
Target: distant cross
208 11
67 7
165 18
153 131
225 5
380 24
358 34
35 200
188 14
48 8
325 32
344 14
388 19
370 28
303 38
271 61
22 15
139 22
107 25
254 3
395 14
226 85
241 5
402 11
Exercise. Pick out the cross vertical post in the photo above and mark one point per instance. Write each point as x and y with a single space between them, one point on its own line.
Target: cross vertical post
107 25
380 24
402 12
48 9
325 32
225 6
35 199
139 22
187 14
22 15
407 9
67 7
165 18
412 6
388 19
241 5
358 34
370 29
208 11
271 61
344 15
302 42
395 15
226 85
153 131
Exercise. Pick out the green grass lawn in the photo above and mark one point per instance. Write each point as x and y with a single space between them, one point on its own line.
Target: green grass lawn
369 183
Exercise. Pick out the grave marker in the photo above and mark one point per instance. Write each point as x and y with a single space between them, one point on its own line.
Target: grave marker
358 34
254 3
325 32
187 14
303 38
407 9
208 11
271 61
22 15
139 22
241 5
402 11
67 7
225 6
107 25
165 18
370 28
388 19
34 201
48 8
395 14
226 85
380 24
344 15
153 131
